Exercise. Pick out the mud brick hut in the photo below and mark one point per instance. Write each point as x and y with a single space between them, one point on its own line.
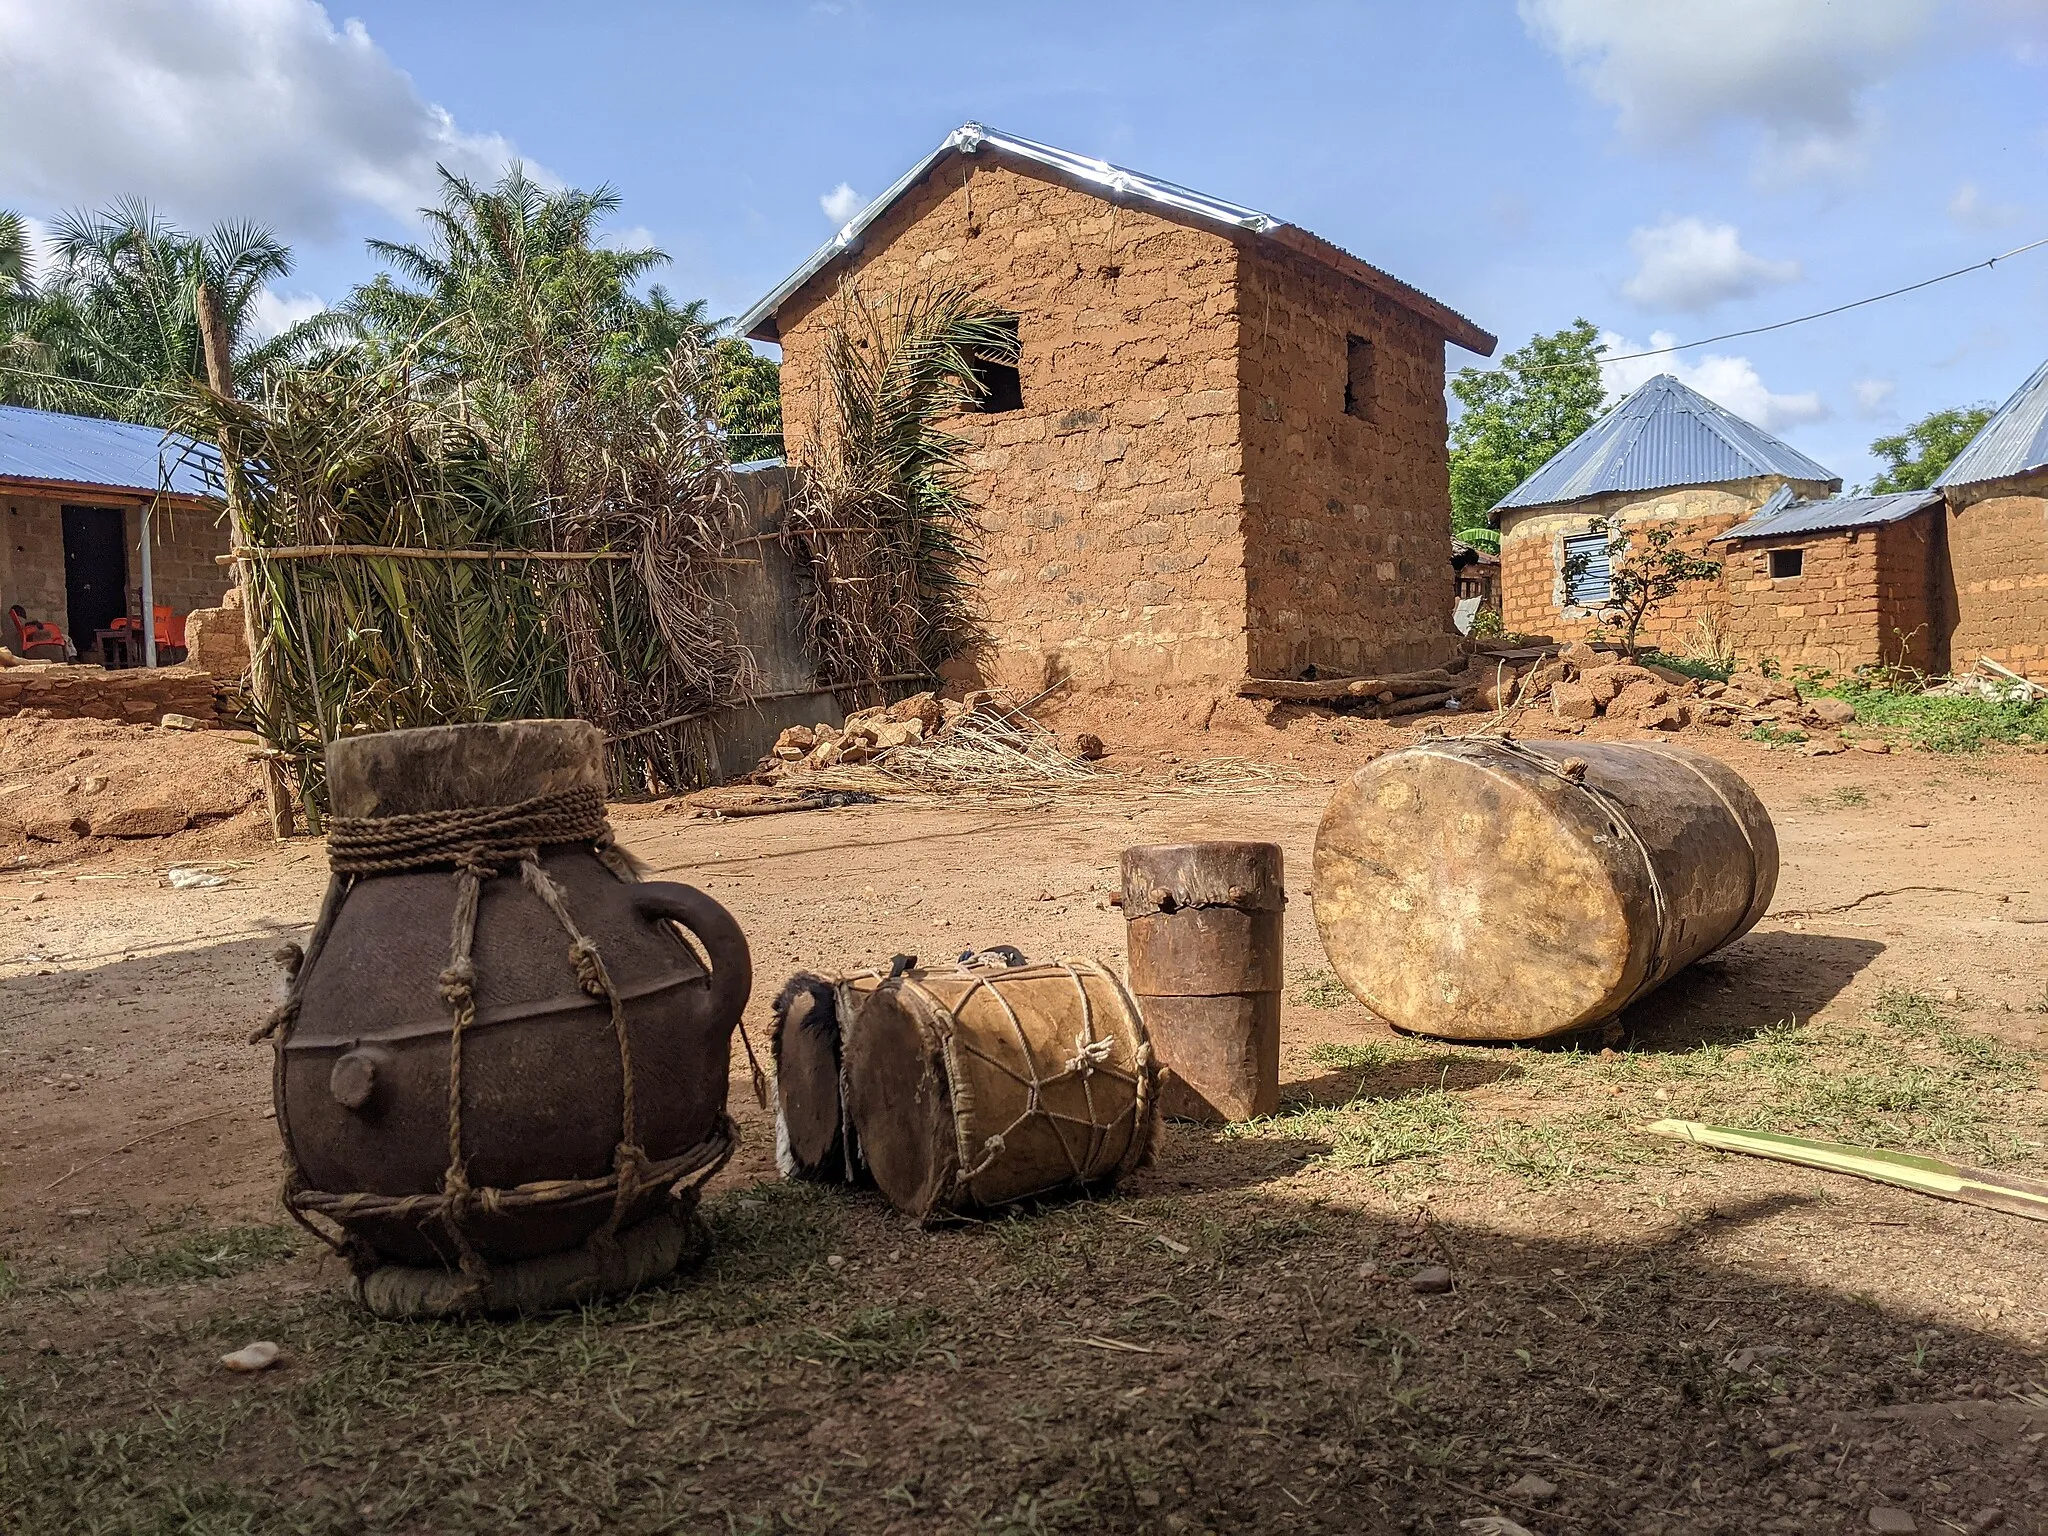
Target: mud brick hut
1838 584
1222 450
1995 587
1666 453
75 494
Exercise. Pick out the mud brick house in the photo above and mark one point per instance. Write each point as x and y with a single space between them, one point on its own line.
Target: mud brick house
1223 448
1995 586
1838 584
75 492
1665 453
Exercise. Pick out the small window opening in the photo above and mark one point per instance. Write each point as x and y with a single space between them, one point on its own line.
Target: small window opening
1002 387
1787 562
1358 377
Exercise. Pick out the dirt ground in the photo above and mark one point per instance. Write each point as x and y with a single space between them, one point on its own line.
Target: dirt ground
1642 1337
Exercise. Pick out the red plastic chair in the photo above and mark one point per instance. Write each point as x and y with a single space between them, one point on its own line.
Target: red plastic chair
34 640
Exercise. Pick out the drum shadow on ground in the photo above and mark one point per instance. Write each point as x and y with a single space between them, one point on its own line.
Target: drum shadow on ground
1438 1071
1762 981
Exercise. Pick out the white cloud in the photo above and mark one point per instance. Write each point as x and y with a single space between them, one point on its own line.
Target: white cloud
842 203
279 312
219 109
1798 70
637 237
1874 396
1732 382
1689 264
1971 209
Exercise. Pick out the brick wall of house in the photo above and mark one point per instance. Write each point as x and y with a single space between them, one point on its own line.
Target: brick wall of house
1345 514
1111 501
186 539
1861 597
1532 557
1997 599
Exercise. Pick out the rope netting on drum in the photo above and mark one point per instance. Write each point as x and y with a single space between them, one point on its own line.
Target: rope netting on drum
1093 1057
478 844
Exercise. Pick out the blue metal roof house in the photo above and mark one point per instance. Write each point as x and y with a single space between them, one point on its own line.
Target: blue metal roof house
76 494
1665 455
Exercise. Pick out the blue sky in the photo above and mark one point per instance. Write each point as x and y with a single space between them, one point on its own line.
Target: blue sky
1666 168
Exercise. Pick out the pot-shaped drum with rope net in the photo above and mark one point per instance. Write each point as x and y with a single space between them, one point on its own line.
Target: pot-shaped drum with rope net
1489 889
972 1086
499 1046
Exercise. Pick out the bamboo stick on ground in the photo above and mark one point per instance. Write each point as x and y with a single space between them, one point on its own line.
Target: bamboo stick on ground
2009 1192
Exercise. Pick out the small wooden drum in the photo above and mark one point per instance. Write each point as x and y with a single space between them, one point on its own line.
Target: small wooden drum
974 1086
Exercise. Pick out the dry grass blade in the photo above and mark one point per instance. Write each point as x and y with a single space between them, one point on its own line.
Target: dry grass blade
987 752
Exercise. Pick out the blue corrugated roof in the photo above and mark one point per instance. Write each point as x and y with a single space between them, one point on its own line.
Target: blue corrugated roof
2012 442
85 451
1787 512
1662 435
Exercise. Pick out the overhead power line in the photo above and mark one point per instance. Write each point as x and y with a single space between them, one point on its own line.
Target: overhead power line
1819 314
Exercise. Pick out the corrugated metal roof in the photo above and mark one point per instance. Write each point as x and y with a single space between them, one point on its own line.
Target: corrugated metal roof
2012 442
85 451
1662 435
1112 182
1787 512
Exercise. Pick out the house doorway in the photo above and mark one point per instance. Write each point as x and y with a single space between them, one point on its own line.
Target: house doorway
95 572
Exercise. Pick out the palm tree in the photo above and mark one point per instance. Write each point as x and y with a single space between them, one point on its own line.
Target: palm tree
114 323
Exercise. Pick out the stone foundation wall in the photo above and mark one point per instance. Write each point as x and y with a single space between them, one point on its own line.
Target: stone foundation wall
1532 558
135 694
1997 603
1346 515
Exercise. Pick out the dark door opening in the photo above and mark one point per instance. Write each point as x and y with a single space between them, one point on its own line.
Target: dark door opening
95 571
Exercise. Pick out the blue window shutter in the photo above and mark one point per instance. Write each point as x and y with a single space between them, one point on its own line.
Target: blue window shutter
1593 587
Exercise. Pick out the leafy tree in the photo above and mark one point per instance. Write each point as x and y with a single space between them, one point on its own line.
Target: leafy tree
112 329
1916 457
1645 566
749 399
1519 414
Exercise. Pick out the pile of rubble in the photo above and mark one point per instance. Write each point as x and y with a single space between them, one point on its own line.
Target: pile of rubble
1584 684
867 733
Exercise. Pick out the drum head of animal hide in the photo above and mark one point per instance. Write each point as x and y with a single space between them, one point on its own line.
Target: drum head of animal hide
897 1095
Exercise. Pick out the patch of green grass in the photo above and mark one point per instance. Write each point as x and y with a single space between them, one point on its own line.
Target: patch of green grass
1843 797
1705 671
1319 989
1360 1056
877 1338
1777 736
1940 724
213 1253
1907 1010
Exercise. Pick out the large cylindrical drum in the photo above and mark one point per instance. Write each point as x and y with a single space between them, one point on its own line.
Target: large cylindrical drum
977 1086
1501 890
499 1046
1203 922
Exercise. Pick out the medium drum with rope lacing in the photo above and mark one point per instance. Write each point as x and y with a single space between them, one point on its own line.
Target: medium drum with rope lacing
985 1083
1488 889
498 1050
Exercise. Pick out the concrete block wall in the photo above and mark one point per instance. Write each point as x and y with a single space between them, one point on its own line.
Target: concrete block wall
1997 603
1532 557
1346 516
1112 501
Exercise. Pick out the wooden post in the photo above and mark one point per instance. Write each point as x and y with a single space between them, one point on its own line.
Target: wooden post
213 337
